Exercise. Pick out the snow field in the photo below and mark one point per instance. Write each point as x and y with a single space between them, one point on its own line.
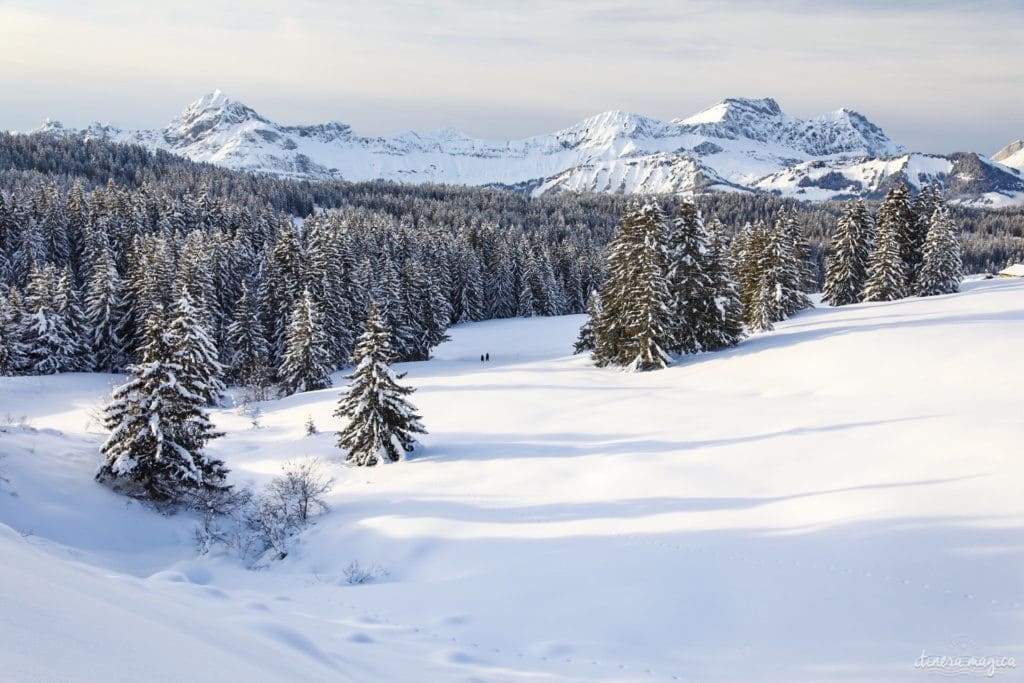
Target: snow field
823 502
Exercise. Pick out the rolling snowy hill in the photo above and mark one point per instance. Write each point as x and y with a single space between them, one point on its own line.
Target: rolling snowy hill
736 145
824 502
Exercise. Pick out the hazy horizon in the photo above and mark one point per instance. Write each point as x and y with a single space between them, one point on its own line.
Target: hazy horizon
937 77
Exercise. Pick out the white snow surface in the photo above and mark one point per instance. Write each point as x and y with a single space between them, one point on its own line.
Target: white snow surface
825 502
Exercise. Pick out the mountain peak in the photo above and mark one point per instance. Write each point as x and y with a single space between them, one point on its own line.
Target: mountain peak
1012 155
1008 151
613 124
212 111
732 108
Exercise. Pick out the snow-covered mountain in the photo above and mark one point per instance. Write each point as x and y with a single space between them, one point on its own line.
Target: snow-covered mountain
736 145
1012 155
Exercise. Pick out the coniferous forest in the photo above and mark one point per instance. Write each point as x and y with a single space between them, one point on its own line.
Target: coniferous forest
95 238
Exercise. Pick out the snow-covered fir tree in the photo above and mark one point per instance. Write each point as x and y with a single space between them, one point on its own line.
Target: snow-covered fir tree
775 278
12 348
743 252
895 217
194 351
585 341
249 363
106 313
633 330
158 428
921 208
793 256
941 266
887 273
693 314
846 267
381 420
50 346
771 273
306 363
728 328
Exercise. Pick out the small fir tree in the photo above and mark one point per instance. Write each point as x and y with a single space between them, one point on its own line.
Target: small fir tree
585 341
381 420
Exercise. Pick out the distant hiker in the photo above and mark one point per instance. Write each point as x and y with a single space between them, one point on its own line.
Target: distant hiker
488 356
481 358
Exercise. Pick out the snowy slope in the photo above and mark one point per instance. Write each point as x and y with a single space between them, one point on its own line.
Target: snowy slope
737 144
1012 155
965 178
824 502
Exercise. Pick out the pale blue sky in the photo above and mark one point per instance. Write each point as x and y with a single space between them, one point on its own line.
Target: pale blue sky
937 76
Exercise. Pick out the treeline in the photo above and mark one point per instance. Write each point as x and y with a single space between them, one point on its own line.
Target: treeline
990 239
95 237
677 287
81 272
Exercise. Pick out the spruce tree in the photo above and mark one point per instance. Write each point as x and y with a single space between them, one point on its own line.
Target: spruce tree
249 351
792 255
633 328
159 428
896 218
743 253
941 266
194 351
775 275
728 328
49 345
106 314
887 276
12 348
921 209
306 364
847 265
693 313
68 305
585 341
381 420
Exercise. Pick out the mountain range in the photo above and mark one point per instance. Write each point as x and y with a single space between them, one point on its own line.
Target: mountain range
738 145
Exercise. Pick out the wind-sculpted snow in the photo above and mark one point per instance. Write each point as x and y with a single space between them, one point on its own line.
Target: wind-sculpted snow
737 144
825 502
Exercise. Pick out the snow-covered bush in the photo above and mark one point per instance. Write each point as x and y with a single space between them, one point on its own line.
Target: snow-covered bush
355 574
260 527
